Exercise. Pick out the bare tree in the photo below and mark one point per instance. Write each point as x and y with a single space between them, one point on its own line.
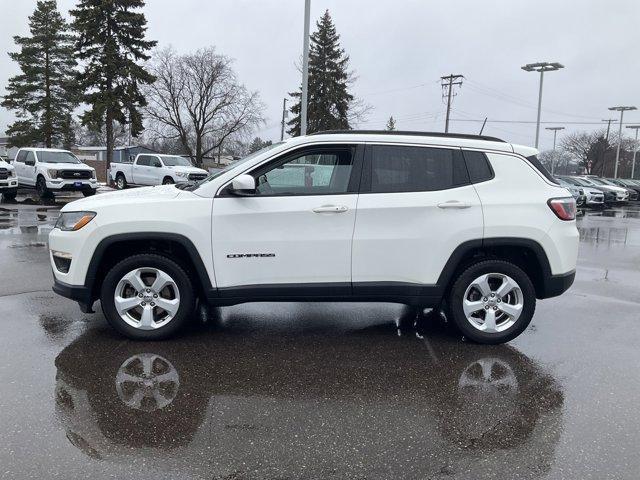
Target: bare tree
198 100
579 145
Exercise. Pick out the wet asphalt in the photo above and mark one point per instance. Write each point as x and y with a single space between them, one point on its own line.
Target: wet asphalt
321 391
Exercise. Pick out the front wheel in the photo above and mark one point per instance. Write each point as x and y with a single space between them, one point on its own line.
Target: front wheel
88 193
168 181
492 302
9 196
147 297
41 188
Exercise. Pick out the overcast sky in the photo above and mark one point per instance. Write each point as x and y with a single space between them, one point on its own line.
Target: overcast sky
400 49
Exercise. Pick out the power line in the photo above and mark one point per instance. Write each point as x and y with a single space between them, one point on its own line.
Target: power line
529 121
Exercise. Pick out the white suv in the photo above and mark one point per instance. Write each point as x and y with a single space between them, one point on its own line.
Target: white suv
473 224
50 170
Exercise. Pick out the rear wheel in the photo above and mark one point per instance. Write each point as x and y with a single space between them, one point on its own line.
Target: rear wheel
121 182
147 297
492 302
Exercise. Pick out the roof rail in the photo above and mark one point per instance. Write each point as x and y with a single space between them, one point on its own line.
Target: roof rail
414 133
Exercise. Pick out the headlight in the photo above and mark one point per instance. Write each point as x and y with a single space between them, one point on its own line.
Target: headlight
72 221
181 174
93 174
52 173
12 173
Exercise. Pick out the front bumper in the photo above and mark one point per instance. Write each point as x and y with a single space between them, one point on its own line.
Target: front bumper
9 184
80 294
72 185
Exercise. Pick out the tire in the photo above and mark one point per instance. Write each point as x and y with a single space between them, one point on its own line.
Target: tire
41 188
121 181
160 324
9 196
168 181
88 193
519 300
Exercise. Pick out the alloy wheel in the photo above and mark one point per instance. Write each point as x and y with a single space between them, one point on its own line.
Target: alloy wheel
147 298
493 302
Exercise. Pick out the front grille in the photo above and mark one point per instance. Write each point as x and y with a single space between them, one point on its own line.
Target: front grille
195 177
74 174
4 173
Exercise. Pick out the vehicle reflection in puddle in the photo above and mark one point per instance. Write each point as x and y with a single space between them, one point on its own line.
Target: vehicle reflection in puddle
596 227
318 404
32 222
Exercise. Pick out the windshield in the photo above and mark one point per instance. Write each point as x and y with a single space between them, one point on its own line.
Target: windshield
57 157
595 181
175 161
231 166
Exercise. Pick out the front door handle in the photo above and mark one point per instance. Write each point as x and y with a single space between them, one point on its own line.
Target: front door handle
454 204
331 209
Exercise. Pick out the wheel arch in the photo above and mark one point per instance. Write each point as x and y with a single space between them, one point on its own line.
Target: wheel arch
115 248
523 252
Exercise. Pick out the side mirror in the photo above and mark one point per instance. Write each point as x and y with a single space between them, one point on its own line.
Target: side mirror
243 185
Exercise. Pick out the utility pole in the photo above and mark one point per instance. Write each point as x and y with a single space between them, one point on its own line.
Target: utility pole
305 70
541 67
604 153
621 110
555 131
448 83
284 117
635 150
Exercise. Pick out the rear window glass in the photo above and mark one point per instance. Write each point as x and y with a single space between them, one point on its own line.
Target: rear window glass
541 168
415 169
478 166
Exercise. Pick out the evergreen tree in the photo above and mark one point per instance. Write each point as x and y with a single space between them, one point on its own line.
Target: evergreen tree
391 124
43 94
329 99
111 42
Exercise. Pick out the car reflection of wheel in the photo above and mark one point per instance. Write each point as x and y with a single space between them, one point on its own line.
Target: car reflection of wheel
487 378
147 382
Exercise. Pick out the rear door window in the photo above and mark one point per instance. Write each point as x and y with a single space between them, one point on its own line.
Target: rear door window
393 169
143 161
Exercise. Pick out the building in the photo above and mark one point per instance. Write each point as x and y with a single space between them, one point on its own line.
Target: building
120 154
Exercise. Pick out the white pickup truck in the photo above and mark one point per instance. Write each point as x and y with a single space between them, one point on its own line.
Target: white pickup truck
50 170
8 181
155 169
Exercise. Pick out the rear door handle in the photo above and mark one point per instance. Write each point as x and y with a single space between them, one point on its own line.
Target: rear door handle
454 204
331 209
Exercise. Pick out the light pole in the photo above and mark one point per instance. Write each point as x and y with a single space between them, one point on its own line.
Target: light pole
555 131
621 110
635 150
606 143
541 67
305 70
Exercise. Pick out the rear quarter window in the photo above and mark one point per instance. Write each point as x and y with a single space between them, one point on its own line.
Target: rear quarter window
533 160
478 166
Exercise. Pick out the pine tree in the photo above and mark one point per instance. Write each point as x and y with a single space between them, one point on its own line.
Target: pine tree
111 42
391 124
43 94
329 99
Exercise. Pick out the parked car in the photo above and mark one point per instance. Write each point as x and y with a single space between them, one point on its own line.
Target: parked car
155 169
621 194
634 190
51 170
594 197
8 181
576 192
401 217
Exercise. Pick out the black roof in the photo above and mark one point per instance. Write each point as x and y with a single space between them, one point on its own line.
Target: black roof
408 132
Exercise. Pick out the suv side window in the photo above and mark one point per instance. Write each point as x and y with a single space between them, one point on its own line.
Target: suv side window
414 169
143 161
22 154
478 166
318 171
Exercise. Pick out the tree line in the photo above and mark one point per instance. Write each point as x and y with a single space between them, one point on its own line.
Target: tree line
101 63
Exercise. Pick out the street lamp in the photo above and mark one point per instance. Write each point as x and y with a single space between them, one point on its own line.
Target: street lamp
555 131
635 150
541 67
621 110
305 70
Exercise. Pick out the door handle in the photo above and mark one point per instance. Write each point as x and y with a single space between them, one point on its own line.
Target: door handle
454 204
331 209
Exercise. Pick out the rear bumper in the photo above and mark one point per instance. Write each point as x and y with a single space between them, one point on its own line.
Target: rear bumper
555 285
80 294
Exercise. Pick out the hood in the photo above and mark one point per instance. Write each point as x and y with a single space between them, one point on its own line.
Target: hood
180 168
137 195
611 188
6 165
66 166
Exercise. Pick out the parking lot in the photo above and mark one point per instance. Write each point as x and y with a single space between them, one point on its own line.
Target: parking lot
321 390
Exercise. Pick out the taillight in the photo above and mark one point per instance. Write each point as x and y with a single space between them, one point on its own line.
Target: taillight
564 208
